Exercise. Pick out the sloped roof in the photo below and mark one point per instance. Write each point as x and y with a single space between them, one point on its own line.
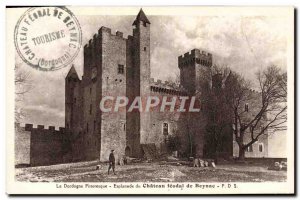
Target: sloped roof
141 17
73 72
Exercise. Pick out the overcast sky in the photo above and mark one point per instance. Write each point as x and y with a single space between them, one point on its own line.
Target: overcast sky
246 44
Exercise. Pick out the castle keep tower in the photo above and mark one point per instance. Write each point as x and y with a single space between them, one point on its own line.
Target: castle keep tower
113 66
141 62
195 77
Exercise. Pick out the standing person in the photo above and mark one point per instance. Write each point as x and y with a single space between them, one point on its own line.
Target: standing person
111 162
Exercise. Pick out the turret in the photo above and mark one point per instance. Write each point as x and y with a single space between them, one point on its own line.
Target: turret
141 57
71 82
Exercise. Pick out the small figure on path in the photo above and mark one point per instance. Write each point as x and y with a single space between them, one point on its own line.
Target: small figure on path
111 162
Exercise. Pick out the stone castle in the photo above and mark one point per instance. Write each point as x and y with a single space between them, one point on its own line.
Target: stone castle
118 66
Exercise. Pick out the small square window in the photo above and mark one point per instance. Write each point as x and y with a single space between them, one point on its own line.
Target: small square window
165 128
145 48
120 69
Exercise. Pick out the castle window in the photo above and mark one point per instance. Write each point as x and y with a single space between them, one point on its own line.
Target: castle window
145 48
94 125
87 127
124 127
260 147
94 72
246 107
249 148
144 24
90 109
90 90
165 128
120 69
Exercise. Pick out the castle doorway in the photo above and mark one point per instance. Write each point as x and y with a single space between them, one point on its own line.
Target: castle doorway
127 151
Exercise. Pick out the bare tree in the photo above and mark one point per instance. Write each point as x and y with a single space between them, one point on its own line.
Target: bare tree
256 113
22 86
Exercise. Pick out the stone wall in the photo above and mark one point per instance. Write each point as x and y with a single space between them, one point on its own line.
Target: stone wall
156 132
253 152
40 146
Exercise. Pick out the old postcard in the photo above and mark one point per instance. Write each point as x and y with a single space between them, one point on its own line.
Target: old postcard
150 100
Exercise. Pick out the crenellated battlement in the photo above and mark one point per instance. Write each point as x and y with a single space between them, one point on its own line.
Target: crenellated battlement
166 87
118 34
254 91
45 146
161 83
104 29
41 129
196 56
129 37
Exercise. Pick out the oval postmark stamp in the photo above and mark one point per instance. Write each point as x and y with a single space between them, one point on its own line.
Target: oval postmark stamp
48 38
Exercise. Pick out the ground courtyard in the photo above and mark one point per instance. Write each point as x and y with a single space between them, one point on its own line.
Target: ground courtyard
149 172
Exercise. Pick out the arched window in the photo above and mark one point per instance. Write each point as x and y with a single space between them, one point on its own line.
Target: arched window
261 147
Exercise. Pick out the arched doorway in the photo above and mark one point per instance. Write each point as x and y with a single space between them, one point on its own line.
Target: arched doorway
127 151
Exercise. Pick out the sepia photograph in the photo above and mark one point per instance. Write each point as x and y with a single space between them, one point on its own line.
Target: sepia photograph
150 100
